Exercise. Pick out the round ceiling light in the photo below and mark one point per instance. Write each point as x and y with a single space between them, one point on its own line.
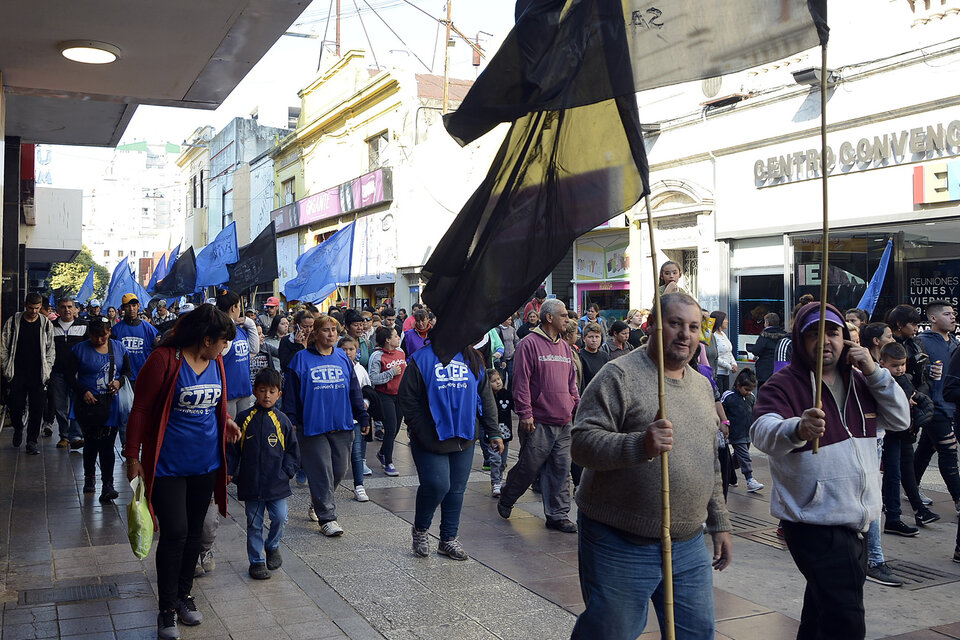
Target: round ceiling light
89 51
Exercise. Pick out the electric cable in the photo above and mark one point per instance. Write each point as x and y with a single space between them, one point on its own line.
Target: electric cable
397 36
367 36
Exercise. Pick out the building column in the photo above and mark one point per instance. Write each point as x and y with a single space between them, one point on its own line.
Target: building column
11 257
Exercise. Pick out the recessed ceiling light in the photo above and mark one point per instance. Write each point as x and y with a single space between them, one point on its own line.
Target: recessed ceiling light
89 51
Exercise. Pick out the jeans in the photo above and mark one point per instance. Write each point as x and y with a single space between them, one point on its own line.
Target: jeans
278 519
391 424
180 505
833 560
358 456
618 579
498 464
325 458
104 449
938 435
545 451
874 546
898 469
60 396
24 393
443 479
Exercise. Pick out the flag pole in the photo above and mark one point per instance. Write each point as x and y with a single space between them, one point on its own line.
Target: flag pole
665 541
825 239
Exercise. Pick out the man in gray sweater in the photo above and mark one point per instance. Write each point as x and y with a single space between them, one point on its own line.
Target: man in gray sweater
617 438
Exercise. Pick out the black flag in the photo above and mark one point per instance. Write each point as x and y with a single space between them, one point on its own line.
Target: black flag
181 279
258 261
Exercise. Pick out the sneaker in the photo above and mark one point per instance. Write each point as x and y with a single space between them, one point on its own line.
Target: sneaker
207 560
167 626
47 432
496 490
733 482
187 612
924 499
198 571
259 571
331 529
925 517
63 444
301 478
956 504
421 542
753 486
381 459
563 524
486 466
17 438
274 559
312 515
503 509
360 493
89 484
108 494
881 574
900 528
78 444
452 549
367 471
32 449
378 433
956 554
391 470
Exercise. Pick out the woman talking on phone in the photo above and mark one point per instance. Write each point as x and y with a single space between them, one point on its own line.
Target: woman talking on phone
297 340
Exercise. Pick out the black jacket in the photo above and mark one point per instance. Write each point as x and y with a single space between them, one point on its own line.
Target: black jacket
917 361
420 424
262 462
64 341
739 410
922 411
765 348
285 352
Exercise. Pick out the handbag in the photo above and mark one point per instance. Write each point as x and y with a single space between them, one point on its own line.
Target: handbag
139 520
96 414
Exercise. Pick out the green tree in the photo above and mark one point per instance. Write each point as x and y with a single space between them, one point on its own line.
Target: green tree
66 278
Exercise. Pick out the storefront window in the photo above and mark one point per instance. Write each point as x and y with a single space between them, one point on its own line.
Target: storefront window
931 266
614 304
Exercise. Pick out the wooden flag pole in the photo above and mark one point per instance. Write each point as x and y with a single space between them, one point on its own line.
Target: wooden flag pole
825 239
665 540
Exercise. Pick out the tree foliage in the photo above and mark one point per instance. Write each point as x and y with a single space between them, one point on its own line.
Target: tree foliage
66 278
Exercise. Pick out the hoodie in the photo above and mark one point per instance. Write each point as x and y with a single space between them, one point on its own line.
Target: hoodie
544 379
840 486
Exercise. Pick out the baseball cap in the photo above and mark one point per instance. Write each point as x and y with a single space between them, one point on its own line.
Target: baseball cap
272 301
128 298
94 303
186 307
812 319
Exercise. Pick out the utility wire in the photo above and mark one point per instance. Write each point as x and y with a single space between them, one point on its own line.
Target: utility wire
366 35
397 36
323 43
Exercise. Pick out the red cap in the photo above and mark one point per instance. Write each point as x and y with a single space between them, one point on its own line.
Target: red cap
272 301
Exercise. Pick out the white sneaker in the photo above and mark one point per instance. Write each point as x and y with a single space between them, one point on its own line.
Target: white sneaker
331 529
924 499
496 490
367 471
360 493
753 486
312 515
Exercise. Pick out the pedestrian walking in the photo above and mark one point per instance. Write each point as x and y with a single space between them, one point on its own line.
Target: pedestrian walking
386 369
139 339
68 332
361 435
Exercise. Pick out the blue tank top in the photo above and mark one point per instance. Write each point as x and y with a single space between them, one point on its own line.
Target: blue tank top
236 365
191 442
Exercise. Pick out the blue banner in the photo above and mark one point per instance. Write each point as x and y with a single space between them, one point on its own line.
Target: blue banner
869 300
170 260
320 269
86 289
213 259
158 273
121 282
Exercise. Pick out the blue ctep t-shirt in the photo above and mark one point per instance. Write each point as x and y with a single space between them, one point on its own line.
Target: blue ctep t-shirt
451 392
324 391
138 340
236 365
93 372
191 442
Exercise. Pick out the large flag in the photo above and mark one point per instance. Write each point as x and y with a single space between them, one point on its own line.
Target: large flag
121 283
181 279
86 289
158 273
320 269
143 297
258 261
213 259
566 76
869 300
170 260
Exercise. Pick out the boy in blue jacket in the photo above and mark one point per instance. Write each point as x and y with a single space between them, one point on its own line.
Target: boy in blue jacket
261 464
738 405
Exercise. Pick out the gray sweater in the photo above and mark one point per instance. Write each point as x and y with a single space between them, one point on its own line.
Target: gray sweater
621 485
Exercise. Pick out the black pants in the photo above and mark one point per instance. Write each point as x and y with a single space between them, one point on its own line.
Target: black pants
99 443
727 474
180 504
938 436
23 394
834 562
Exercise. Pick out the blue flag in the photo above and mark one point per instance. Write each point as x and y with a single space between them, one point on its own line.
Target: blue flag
53 303
137 289
86 289
213 259
322 267
158 273
121 283
170 260
869 300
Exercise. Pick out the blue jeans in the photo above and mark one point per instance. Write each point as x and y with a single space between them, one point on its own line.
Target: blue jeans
874 547
278 519
358 456
498 464
443 479
619 578
60 398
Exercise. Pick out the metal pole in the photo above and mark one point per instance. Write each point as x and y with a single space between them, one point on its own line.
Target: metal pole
665 540
825 239
446 59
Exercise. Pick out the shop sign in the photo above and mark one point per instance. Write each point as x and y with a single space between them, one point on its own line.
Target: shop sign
936 182
590 263
886 150
933 280
285 217
368 190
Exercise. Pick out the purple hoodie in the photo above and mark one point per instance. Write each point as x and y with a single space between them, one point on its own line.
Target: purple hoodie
544 379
